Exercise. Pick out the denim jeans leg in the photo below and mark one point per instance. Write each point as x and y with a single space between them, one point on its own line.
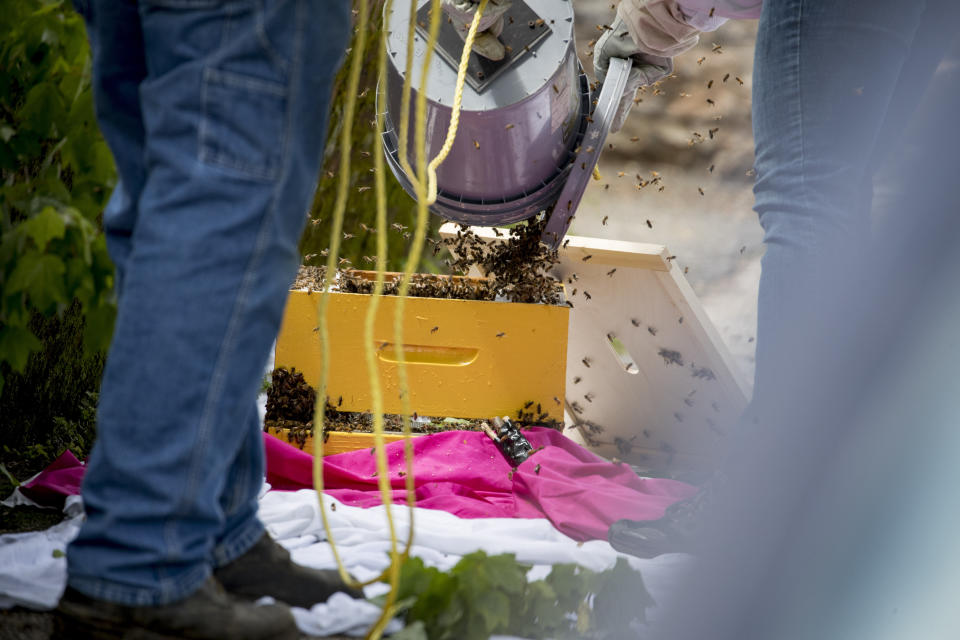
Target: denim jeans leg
240 498
234 110
825 74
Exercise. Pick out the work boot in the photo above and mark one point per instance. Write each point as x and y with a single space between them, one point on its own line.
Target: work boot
266 570
207 614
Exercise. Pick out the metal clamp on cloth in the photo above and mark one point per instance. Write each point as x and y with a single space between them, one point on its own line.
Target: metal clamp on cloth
514 446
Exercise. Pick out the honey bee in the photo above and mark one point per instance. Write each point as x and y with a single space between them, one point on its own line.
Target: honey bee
671 357
611 272
435 329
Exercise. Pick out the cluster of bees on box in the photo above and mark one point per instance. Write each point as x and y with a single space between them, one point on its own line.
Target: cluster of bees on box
291 403
516 270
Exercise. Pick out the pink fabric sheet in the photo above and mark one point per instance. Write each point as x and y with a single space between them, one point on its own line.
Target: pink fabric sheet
461 472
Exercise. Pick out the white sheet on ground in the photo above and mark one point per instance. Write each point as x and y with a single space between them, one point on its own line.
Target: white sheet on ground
31 575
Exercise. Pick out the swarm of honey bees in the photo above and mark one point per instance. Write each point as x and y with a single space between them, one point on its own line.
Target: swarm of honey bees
518 268
291 402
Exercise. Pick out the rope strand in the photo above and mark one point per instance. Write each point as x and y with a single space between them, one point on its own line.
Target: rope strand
425 184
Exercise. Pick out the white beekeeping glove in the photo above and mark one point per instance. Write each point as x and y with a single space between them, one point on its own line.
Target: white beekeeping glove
651 33
487 42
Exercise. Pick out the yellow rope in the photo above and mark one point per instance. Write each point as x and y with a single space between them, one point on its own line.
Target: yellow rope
457 101
426 189
349 109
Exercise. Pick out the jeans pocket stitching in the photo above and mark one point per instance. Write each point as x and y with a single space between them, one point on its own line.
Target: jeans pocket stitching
267 168
271 51
241 81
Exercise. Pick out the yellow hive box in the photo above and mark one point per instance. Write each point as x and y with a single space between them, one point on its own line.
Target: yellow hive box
465 358
335 441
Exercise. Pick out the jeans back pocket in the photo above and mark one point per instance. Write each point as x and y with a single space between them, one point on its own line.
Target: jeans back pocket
243 123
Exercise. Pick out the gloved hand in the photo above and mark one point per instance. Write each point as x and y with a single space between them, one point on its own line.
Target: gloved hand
651 33
487 42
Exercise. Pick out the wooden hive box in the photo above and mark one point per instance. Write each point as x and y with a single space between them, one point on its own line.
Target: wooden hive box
649 379
465 358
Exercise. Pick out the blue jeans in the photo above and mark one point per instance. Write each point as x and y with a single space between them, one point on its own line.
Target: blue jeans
835 82
216 112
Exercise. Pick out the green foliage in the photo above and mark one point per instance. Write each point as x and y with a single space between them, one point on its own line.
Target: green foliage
361 206
56 173
51 405
486 595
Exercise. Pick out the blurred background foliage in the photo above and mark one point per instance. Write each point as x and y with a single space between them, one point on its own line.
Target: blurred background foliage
56 279
362 206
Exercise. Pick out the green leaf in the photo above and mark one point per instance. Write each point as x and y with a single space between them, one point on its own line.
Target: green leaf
16 344
79 281
494 607
415 631
99 327
103 168
622 598
43 109
44 227
41 276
